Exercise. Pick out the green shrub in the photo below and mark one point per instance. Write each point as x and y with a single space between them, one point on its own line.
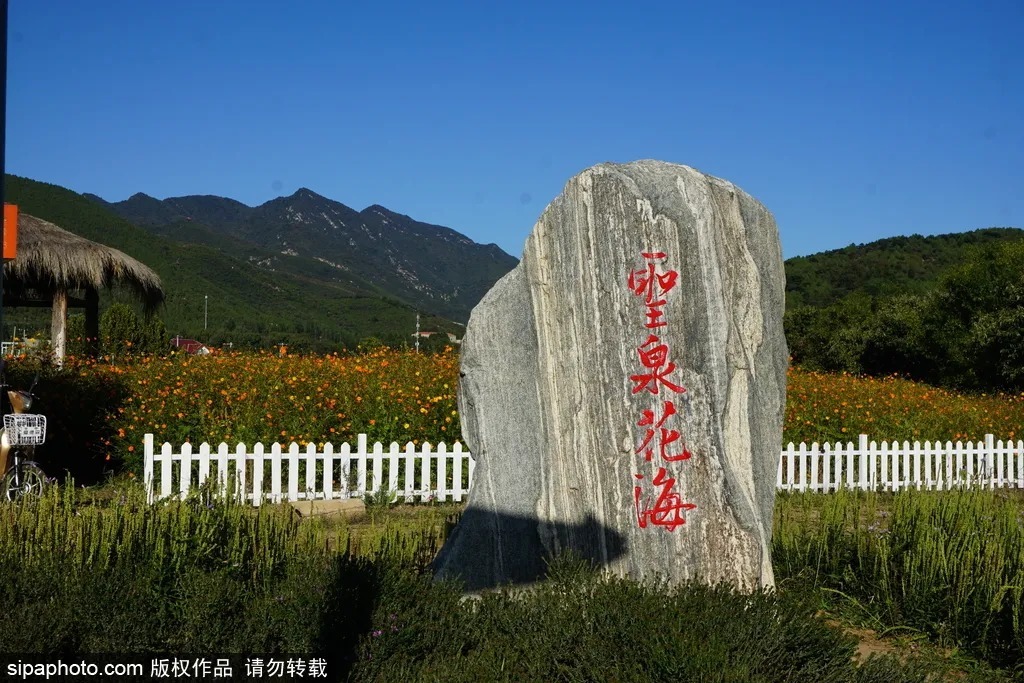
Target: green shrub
77 405
583 626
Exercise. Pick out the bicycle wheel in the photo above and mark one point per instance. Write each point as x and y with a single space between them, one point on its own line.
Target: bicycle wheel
24 480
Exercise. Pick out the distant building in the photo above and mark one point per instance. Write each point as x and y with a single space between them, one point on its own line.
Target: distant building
427 335
190 346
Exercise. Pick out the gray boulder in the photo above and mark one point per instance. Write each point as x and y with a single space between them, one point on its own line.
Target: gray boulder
622 389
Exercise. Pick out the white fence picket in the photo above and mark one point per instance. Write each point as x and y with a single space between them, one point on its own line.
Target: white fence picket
442 471
328 473
361 464
410 470
425 473
204 463
311 470
393 467
222 469
275 472
293 471
147 466
346 470
457 471
185 476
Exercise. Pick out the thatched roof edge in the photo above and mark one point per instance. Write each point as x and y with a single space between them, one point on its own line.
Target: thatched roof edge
50 258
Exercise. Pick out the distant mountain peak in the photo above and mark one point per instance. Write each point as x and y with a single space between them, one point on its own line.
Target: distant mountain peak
305 193
142 195
208 198
96 198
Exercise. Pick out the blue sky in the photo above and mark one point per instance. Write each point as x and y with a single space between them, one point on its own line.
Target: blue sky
849 123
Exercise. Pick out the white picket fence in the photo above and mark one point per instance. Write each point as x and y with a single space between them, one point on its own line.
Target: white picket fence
893 466
439 473
424 473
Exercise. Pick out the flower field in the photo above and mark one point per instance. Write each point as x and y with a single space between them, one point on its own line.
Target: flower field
246 397
404 396
837 407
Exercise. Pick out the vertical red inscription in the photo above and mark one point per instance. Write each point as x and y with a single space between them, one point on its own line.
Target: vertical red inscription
653 287
668 510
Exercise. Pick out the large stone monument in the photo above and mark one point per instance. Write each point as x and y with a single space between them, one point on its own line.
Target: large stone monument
622 390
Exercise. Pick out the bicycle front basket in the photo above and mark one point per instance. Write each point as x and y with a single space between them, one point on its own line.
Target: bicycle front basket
24 429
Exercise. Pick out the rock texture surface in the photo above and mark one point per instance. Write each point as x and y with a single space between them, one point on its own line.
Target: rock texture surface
623 388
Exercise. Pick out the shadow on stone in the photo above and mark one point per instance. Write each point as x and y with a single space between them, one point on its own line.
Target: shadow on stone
491 549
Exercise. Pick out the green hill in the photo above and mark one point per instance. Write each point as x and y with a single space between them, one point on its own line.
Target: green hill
250 302
947 310
896 265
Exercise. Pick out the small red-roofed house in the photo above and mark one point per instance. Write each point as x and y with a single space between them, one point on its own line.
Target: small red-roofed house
190 346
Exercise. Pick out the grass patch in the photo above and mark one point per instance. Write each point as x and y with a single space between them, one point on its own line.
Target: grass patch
87 574
949 565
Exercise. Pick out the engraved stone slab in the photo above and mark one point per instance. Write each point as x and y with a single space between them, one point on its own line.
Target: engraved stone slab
623 388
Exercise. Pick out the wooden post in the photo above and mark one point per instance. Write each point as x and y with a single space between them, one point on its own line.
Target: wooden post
92 321
58 325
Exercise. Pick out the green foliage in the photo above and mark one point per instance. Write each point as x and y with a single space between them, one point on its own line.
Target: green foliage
964 330
78 407
123 333
949 564
77 344
887 267
981 304
380 501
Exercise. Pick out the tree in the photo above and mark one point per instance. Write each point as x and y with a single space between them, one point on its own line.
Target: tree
123 333
899 341
978 317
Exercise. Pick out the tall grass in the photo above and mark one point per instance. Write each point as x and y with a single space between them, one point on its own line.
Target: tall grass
68 527
199 576
949 564
196 578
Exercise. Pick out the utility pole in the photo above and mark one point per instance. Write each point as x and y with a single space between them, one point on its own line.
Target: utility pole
206 308
417 333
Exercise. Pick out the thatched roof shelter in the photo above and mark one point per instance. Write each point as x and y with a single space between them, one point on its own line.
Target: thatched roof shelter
52 263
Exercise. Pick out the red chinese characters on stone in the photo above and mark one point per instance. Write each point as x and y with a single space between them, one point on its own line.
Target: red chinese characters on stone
665 437
668 511
653 287
654 357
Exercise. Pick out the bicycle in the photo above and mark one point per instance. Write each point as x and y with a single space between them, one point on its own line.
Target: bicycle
21 433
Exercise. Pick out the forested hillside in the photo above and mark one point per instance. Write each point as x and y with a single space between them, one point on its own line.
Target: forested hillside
948 310
248 304
892 266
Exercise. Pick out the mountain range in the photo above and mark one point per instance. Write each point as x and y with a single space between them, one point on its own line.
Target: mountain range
280 272
430 267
